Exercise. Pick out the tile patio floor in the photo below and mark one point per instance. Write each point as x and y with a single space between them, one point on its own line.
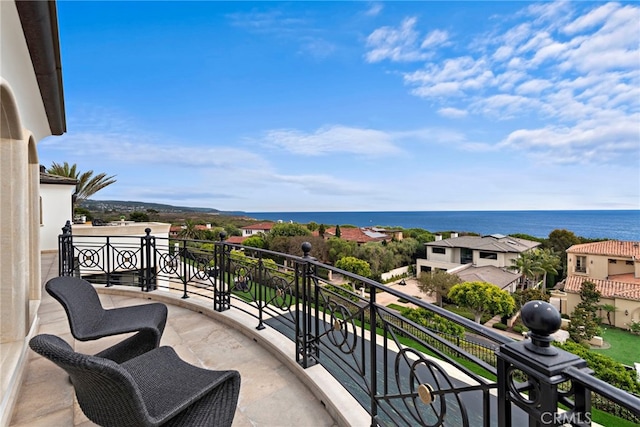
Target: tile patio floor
271 394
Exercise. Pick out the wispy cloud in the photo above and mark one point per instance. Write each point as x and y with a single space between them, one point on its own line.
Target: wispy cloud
106 135
333 139
452 113
299 29
272 21
374 9
572 66
403 43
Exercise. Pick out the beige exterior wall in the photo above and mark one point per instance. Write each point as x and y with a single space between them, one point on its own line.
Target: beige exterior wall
626 310
447 257
23 123
600 266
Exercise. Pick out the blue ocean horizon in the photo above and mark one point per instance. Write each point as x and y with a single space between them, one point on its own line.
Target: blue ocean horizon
592 224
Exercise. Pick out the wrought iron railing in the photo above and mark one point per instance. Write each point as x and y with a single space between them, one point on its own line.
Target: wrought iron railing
401 372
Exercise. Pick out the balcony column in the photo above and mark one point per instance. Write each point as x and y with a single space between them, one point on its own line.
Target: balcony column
530 372
222 271
306 314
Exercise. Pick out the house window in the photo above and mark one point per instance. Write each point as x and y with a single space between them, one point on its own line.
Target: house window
628 262
612 261
488 255
581 264
438 251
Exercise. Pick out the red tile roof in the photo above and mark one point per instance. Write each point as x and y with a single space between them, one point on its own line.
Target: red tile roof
608 247
353 235
235 239
607 288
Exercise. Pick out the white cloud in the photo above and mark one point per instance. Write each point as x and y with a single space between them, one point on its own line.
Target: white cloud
374 9
572 67
333 139
435 38
533 87
588 142
401 44
591 19
452 113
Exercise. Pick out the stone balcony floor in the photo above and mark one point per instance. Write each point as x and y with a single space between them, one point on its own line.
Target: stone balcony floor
271 394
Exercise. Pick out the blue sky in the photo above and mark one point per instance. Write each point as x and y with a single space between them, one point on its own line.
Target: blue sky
354 106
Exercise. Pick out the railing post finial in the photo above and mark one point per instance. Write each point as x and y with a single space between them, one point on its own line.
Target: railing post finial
306 249
542 319
222 235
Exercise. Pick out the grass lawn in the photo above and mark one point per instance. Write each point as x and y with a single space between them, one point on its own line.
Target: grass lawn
625 347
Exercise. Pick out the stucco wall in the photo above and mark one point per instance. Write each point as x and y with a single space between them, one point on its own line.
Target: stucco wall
618 318
16 68
56 211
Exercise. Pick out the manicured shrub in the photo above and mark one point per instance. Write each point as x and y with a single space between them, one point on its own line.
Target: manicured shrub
500 326
518 329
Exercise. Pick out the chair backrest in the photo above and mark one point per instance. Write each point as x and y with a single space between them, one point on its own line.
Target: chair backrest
80 301
106 392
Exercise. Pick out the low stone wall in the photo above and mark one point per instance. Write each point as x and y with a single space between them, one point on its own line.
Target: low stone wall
396 272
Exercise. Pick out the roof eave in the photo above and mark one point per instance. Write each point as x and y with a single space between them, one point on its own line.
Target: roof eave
39 20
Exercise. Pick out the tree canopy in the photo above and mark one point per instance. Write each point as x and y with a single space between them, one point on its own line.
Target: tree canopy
289 230
584 319
354 265
87 185
535 263
481 298
437 282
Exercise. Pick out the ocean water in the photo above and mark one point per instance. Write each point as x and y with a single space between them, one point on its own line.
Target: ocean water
609 224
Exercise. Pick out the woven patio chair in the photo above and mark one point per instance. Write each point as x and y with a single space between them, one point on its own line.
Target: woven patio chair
88 320
156 388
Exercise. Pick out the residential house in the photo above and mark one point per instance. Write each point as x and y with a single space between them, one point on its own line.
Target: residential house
31 108
614 267
253 229
360 235
485 258
504 279
56 207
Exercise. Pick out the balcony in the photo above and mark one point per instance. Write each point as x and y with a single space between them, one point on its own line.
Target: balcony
305 347
272 392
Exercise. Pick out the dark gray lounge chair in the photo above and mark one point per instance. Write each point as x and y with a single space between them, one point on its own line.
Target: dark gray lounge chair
88 320
156 388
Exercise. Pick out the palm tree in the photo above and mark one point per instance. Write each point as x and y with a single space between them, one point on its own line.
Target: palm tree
190 231
549 262
528 265
609 308
87 185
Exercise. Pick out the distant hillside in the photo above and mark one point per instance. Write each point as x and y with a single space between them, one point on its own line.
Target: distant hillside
130 206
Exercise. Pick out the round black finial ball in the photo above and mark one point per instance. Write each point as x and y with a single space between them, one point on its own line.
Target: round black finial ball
223 235
306 248
147 230
541 317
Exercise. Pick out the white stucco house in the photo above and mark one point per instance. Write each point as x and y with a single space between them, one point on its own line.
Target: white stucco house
484 258
56 208
31 108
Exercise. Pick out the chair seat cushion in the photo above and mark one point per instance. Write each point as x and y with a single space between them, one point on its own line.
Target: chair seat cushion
168 385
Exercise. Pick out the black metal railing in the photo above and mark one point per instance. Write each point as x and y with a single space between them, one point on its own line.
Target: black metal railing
401 372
